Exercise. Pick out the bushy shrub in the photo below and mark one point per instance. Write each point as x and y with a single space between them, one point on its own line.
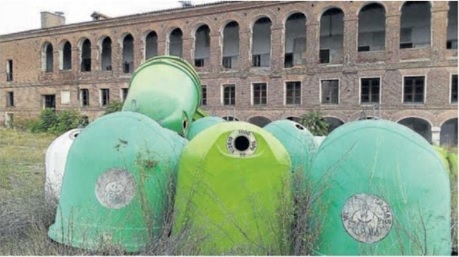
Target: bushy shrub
113 106
315 123
53 122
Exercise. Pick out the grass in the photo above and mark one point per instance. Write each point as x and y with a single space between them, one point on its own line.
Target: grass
25 218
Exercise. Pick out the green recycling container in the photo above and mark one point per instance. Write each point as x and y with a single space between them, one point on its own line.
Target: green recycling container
115 188
380 189
166 89
233 192
298 142
203 123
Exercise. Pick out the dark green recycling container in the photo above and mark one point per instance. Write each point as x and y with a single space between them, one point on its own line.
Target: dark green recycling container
166 89
298 142
380 189
203 123
115 187
233 192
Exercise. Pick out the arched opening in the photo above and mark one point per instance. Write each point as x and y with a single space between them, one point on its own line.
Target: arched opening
451 37
151 45
66 61
333 123
230 55
415 25
106 54
260 121
331 36
261 42
47 57
420 126
175 42
448 133
295 40
230 118
86 56
372 28
128 54
202 46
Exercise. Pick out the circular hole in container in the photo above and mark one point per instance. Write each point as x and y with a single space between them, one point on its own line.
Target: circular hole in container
298 126
241 143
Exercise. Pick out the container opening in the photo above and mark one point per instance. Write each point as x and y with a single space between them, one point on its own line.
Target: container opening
241 143
298 126
184 124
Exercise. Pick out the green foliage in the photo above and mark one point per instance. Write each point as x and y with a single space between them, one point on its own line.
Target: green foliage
113 106
315 123
53 122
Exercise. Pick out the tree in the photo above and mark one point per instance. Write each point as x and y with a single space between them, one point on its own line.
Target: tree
315 123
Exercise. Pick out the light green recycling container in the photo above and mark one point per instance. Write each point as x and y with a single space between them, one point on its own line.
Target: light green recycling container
203 123
233 192
298 142
380 189
166 89
115 187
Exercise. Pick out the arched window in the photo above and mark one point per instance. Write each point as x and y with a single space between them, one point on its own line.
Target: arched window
86 56
415 25
331 36
106 54
372 28
66 53
175 42
128 54
448 133
420 126
151 45
230 55
47 58
295 40
261 42
202 46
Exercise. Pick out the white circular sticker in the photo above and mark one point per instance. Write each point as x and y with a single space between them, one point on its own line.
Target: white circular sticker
115 188
367 218
241 143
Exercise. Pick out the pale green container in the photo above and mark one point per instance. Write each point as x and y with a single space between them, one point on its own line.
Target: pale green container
380 189
202 124
166 89
115 187
233 192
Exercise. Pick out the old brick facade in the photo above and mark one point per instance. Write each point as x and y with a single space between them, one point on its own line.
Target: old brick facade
27 78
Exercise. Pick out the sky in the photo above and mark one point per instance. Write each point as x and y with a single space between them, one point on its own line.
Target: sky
22 15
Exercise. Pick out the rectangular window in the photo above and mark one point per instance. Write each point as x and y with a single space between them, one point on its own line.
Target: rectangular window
227 62
288 60
454 88
293 92
330 91
369 92
9 70
229 94
128 67
84 97
324 55
104 96
124 93
49 101
10 99
413 90
204 95
364 48
199 62
259 93
256 60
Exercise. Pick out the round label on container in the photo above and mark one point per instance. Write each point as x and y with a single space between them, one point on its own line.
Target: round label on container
367 218
241 143
115 188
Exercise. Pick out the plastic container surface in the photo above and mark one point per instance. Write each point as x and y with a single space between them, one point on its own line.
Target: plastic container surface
203 123
381 190
233 184
115 187
298 142
55 159
166 89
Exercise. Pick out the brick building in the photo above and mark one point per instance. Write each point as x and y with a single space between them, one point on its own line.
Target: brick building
258 61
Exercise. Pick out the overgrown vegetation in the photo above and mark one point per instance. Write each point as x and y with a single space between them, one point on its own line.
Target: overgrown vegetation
315 123
113 106
53 122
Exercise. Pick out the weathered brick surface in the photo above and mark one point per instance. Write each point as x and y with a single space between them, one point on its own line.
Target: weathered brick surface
391 65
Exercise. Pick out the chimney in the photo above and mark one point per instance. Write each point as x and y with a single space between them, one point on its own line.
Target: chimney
52 19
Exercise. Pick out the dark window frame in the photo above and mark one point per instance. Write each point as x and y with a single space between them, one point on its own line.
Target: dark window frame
10 99
332 89
453 97
412 93
293 93
229 94
259 93
84 97
104 96
370 92
204 95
